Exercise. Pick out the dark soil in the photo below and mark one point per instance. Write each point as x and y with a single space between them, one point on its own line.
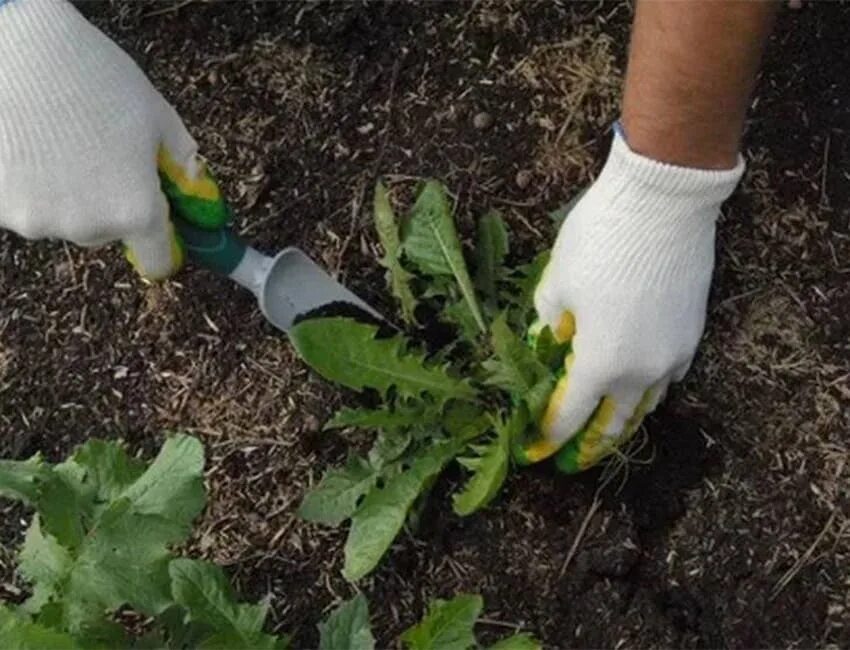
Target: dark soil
299 107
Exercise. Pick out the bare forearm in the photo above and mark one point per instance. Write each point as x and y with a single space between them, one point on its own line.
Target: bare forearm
691 70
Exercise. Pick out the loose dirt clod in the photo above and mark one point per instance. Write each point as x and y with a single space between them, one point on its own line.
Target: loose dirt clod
523 179
482 121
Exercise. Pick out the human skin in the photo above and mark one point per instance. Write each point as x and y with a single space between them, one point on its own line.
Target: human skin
691 70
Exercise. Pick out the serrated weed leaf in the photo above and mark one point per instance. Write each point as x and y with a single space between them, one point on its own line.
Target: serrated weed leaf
388 446
515 367
336 496
537 397
383 512
347 352
546 348
490 253
459 315
387 228
381 418
432 244
449 625
489 468
465 421
524 281
347 628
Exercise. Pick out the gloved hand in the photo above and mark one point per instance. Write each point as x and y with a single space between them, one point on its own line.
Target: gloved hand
81 132
627 285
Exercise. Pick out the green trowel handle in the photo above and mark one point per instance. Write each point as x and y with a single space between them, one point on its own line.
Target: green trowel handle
217 250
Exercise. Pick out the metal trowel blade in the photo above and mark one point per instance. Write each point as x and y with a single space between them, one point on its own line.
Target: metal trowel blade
296 288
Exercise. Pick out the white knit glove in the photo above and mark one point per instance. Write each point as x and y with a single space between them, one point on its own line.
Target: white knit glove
627 284
81 129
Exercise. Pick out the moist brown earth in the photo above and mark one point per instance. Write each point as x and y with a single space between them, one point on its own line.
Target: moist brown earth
735 534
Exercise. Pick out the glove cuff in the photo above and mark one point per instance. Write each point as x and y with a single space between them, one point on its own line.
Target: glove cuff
643 181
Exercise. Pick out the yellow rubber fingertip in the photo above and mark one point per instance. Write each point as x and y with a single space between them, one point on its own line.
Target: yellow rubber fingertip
177 252
592 446
540 450
640 412
556 399
201 187
566 328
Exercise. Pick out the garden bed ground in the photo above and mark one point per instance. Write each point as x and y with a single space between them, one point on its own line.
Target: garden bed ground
738 534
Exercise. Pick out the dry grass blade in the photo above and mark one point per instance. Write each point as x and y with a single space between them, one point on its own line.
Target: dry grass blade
580 534
801 561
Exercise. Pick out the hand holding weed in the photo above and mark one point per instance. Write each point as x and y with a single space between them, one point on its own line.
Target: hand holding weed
627 286
81 131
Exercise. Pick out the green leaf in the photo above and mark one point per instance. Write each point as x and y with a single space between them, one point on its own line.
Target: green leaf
336 496
126 560
102 634
525 280
172 487
546 348
19 633
374 418
458 314
515 368
489 467
517 642
19 480
397 276
63 502
465 421
45 563
108 468
231 641
388 446
432 244
490 251
347 352
382 514
449 625
203 590
122 556
347 628
537 398
179 632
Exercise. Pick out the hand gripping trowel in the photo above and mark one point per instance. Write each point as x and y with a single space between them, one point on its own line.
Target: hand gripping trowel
289 286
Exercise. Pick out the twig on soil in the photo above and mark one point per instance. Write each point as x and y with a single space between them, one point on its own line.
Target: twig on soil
169 9
581 532
824 199
356 204
490 621
519 204
801 561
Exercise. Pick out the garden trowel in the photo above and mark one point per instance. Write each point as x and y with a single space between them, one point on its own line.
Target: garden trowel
288 286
